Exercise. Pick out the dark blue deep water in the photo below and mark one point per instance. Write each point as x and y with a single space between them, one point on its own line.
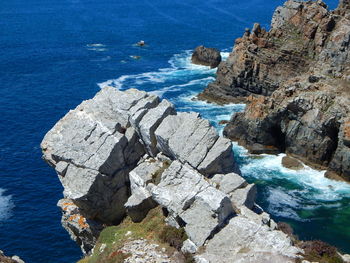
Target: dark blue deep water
56 53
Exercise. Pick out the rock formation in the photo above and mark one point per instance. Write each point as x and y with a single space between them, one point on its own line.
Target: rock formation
262 60
13 259
294 79
124 153
206 56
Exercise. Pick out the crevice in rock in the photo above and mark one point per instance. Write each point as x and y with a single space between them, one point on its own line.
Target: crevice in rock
333 133
279 137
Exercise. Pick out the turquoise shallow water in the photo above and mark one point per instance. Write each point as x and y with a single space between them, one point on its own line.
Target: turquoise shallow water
54 54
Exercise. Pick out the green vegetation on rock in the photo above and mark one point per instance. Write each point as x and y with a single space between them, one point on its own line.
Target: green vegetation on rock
152 228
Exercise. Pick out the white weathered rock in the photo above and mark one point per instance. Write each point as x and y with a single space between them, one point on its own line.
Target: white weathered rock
191 199
263 218
244 196
98 151
245 241
17 259
190 139
199 259
139 204
140 201
92 150
82 230
189 247
150 122
229 183
219 159
346 258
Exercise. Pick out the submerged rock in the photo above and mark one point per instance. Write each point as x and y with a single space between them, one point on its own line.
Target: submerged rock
291 163
206 56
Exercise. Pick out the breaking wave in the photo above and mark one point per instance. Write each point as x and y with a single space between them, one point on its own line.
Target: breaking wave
6 205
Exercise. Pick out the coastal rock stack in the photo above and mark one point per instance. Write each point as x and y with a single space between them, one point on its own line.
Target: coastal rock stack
206 56
295 80
123 153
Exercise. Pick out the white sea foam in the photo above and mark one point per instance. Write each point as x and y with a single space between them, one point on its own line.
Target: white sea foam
224 55
6 205
318 187
283 203
98 49
180 67
177 87
95 45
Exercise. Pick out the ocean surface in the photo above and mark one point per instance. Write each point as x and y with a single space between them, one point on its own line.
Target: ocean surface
56 53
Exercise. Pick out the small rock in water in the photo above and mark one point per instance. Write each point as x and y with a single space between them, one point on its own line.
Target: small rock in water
141 43
291 163
135 57
223 122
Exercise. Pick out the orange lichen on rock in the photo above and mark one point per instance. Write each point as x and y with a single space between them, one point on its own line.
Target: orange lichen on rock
79 219
82 222
66 204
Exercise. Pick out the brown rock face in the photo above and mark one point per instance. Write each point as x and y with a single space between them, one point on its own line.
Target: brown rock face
206 56
261 61
298 86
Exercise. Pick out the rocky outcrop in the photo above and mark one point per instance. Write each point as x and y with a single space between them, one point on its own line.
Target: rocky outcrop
206 56
303 119
246 241
96 147
192 202
13 259
295 81
261 61
82 230
124 153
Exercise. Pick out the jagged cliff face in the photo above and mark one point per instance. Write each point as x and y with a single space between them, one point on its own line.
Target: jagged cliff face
305 79
124 153
261 61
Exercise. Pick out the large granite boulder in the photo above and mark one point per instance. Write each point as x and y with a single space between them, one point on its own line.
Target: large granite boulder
141 202
206 56
87 148
243 240
192 140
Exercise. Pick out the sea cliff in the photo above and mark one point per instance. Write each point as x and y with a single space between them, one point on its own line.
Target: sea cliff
294 79
123 154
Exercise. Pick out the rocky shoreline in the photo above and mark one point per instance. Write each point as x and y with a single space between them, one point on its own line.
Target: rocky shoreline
145 183
13 259
294 79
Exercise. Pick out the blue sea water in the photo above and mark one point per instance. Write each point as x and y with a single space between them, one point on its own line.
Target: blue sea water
54 54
